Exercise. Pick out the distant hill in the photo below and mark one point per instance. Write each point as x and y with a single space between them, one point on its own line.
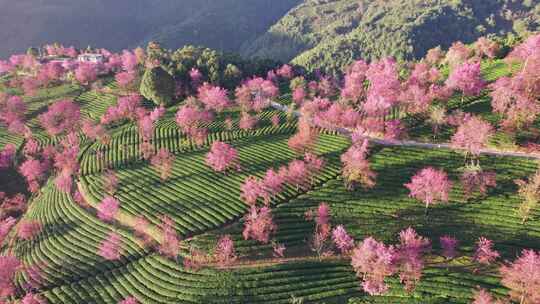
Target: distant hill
330 33
326 34
223 24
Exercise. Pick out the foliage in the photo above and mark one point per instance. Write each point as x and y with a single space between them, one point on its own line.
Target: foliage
522 277
61 117
448 245
409 257
110 248
158 86
224 251
373 262
330 35
343 241
108 209
222 157
467 79
259 224
356 168
485 254
430 186
529 191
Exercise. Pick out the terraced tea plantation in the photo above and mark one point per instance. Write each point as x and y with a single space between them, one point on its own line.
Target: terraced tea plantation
128 203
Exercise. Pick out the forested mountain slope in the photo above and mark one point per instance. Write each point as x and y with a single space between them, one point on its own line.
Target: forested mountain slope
329 34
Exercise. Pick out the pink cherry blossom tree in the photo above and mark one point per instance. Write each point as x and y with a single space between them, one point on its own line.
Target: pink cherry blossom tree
126 80
110 248
373 262
61 117
485 254
247 121
278 250
409 257
86 73
516 97
475 179
95 131
7 156
224 252
107 209
481 296
343 241
472 135
192 120
272 183
129 61
457 54
384 87
213 97
529 192
110 181
12 114
66 162
356 169
296 174
434 56
305 138
222 157
252 189
322 233
522 277
486 47
285 71
34 172
28 229
448 245
5 227
31 298
467 79
9 265
163 161
259 224
430 186
255 94
354 83
170 244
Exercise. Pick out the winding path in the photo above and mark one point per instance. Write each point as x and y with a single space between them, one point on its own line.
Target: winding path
412 143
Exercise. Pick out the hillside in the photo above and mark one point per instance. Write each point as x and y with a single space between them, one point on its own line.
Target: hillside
329 34
198 177
127 23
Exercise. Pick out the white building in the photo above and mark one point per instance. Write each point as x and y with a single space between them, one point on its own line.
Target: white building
91 57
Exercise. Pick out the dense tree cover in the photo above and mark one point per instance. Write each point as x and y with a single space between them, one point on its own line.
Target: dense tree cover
158 86
331 34
225 69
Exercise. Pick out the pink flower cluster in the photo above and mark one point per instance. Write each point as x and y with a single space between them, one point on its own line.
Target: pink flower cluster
356 168
213 97
61 117
430 186
222 157
259 224
110 248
